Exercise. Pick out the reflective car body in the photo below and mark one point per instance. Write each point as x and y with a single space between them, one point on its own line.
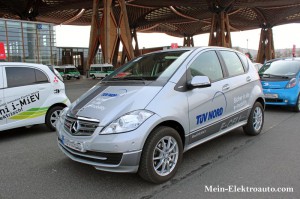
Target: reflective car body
196 93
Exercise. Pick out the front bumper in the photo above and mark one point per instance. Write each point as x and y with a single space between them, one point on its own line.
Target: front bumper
285 97
114 152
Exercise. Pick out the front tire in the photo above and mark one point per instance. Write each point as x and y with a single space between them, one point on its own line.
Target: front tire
255 121
161 156
53 116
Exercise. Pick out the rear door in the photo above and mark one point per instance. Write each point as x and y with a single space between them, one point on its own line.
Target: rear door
27 90
2 101
239 87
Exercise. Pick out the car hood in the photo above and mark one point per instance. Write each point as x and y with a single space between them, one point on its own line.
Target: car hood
274 84
107 103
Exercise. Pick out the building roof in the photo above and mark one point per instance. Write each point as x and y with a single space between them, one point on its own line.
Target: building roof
174 17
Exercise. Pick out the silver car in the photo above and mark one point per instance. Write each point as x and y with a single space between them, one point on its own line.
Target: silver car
146 114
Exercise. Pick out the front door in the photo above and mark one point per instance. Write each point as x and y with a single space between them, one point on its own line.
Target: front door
207 106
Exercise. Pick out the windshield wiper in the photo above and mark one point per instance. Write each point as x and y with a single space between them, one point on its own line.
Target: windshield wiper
271 75
133 78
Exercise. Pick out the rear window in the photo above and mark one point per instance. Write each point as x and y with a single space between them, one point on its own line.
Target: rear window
281 68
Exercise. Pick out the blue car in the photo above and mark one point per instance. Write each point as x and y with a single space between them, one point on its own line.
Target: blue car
280 82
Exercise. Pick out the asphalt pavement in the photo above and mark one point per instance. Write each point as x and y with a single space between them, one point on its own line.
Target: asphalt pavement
32 166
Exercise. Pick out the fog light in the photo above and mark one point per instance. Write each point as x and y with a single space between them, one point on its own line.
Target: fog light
286 101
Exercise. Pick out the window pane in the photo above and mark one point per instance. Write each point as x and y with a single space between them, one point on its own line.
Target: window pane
244 59
19 76
233 63
207 64
40 76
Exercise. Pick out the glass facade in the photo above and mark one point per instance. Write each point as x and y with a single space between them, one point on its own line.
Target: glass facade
25 41
35 42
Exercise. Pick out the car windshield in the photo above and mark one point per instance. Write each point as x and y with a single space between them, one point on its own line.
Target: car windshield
150 67
71 70
280 68
59 69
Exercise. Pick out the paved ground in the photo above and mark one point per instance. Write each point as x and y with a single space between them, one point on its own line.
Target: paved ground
32 166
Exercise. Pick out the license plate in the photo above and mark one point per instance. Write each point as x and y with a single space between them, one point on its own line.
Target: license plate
78 146
271 96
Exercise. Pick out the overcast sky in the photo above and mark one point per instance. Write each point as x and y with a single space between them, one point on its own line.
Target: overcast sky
284 37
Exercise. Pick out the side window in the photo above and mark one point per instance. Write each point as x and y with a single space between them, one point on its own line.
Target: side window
1 78
207 64
233 63
244 60
19 76
40 76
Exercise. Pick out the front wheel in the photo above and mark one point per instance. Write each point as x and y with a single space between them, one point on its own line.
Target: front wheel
161 156
296 108
255 121
53 116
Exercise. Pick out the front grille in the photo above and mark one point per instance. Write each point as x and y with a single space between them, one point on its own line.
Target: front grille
83 128
274 100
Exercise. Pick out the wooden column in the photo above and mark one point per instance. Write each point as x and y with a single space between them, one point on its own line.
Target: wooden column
109 33
94 36
188 41
134 37
220 30
266 49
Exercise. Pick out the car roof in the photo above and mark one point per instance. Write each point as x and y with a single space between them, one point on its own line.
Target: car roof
22 64
194 48
284 59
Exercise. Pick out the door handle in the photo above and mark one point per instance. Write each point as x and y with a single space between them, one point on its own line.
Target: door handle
226 87
248 79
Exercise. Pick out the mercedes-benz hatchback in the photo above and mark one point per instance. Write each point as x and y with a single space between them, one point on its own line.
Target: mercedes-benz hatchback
143 116
280 82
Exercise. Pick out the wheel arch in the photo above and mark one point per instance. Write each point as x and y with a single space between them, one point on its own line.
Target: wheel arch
54 105
175 125
262 101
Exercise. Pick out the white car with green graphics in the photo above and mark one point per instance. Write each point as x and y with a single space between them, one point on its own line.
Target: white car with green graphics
30 94
100 70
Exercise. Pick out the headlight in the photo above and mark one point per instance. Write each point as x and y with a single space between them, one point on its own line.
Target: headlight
292 83
128 122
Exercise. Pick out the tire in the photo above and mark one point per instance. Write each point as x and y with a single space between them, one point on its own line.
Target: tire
68 77
93 77
151 156
255 121
296 108
52 117
77 77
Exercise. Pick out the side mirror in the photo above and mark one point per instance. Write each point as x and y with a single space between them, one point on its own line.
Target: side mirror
199 82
